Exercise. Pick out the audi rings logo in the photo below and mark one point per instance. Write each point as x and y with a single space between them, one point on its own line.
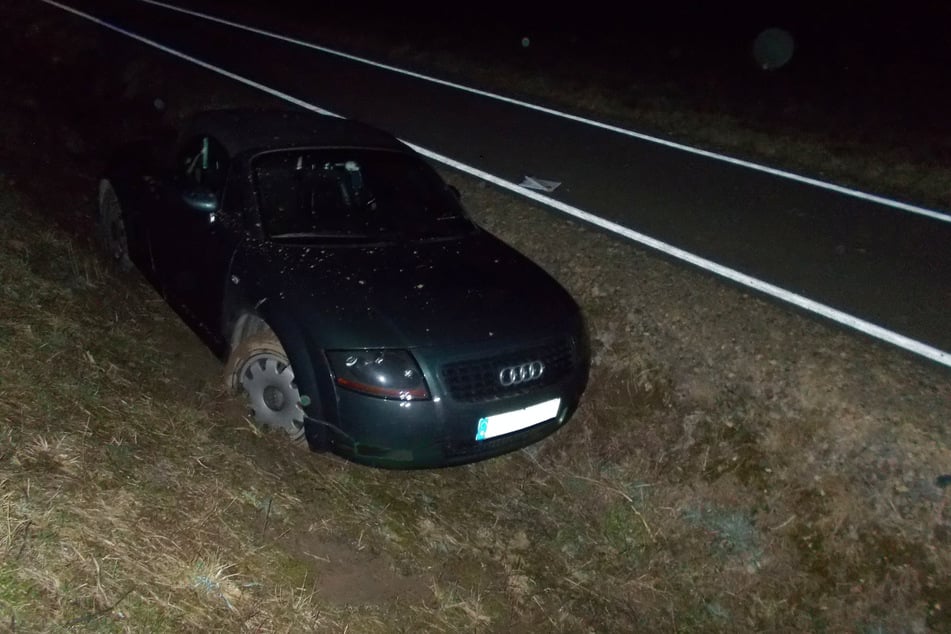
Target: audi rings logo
513 375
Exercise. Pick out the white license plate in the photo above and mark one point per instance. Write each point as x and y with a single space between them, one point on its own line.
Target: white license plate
501 424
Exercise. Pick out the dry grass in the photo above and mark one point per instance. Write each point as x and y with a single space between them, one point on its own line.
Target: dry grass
120 507
714 479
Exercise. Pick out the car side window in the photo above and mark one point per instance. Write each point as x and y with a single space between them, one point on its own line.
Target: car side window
204 161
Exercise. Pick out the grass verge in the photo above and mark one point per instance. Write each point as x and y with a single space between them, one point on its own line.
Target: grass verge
709 481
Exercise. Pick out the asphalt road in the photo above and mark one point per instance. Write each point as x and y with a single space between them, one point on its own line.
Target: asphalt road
883 265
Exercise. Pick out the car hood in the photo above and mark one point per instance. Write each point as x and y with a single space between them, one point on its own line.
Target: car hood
445 292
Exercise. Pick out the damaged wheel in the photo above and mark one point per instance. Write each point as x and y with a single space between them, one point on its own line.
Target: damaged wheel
112 232
259 368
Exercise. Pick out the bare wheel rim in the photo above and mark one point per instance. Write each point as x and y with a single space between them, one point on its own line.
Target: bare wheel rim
113 228
268 382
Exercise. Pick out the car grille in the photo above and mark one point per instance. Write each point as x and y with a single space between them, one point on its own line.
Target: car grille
478 380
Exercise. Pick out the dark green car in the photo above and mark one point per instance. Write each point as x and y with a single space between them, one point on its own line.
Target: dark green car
354 301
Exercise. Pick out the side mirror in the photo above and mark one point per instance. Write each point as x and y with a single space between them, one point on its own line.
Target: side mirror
200 199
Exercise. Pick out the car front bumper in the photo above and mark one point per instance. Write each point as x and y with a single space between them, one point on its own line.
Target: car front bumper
442 431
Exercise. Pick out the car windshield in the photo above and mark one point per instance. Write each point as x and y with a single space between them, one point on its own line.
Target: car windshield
354 194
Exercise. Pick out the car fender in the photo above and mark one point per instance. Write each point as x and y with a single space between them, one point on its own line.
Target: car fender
311 371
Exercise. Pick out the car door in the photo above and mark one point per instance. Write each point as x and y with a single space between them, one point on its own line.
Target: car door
191 245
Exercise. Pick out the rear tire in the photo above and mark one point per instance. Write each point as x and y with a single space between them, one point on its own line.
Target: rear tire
259 368
111 228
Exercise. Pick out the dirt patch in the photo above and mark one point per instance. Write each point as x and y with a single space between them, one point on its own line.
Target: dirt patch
345 573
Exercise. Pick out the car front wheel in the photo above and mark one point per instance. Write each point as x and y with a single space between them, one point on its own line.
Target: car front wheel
259 368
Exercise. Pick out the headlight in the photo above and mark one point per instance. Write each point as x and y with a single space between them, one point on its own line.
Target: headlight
383 373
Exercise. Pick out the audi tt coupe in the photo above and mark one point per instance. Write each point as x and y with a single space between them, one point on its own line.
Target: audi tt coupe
354 302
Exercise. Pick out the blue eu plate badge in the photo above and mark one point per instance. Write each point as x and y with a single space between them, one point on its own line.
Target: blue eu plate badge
508 422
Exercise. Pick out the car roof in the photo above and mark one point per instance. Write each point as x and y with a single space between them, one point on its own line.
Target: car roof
242 130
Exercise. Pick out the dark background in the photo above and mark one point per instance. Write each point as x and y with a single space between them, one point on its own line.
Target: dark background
858 69
862 74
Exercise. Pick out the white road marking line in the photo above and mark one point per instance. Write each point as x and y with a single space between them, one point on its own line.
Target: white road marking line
733 275
850 321
808 180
